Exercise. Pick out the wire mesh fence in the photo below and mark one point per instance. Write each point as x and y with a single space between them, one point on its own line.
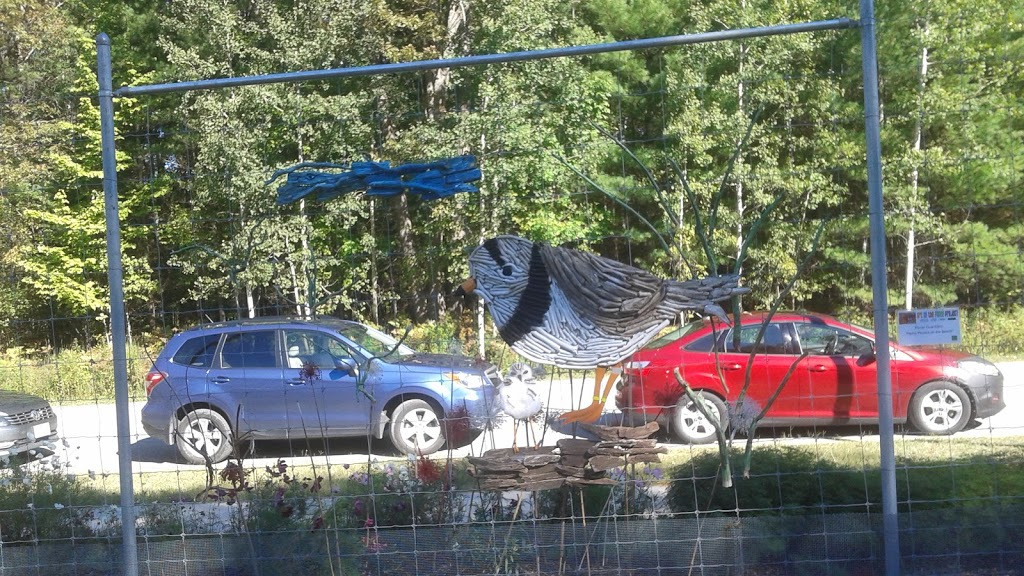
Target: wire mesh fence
261 444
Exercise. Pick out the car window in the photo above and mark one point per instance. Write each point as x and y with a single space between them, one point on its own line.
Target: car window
317 348
705 343
250 349
197 351
676 334
817 339
776 340
375 342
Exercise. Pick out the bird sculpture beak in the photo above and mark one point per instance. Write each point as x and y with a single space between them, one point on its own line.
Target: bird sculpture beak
466 287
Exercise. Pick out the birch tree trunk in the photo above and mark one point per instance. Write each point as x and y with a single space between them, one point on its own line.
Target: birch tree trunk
918 129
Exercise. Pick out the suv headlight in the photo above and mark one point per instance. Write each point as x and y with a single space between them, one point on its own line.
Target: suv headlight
466 379
978 366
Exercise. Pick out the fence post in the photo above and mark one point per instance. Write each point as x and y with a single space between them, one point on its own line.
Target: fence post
115 278
879 287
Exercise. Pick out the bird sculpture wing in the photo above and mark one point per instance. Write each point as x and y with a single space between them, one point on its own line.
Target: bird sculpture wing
624 300
616 297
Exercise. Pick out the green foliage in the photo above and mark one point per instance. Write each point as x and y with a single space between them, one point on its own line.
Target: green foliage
994 333
435 337
73 374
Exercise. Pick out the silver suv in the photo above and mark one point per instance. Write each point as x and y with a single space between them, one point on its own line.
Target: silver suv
27 422
284 378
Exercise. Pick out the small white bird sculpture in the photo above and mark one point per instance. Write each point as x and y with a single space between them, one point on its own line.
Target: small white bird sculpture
578 310
519 400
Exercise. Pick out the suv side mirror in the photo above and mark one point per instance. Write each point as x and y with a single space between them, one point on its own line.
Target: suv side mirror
347 365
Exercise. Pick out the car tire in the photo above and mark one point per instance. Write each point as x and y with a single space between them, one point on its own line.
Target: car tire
690 425
940 408
202 436
416 427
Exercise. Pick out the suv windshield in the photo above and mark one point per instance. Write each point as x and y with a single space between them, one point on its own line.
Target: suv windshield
375 342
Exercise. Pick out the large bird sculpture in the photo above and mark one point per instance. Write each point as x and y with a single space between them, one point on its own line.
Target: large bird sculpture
577 310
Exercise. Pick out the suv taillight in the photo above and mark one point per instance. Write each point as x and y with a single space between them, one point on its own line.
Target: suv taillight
152 379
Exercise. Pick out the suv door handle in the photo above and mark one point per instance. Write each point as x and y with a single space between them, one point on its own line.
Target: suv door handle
819 368
220 379
297 382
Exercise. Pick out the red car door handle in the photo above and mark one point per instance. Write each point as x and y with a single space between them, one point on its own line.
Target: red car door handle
732 366
819 368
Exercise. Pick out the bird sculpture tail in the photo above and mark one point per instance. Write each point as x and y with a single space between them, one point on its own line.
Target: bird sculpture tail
703 293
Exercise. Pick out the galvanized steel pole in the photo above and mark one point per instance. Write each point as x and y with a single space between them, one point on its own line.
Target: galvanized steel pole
880 287
481 59
115 277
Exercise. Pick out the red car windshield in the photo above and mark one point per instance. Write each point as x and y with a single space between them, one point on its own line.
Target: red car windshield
676 334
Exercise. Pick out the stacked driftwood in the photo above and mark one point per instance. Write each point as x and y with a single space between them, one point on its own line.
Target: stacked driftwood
572 462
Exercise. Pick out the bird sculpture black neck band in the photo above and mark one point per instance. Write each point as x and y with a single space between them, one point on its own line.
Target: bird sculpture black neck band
534 302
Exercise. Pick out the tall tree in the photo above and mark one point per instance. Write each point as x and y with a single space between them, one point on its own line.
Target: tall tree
952 133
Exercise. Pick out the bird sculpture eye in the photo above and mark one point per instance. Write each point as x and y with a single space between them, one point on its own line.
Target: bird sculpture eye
506 269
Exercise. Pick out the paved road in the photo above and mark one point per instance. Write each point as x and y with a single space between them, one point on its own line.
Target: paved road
90 434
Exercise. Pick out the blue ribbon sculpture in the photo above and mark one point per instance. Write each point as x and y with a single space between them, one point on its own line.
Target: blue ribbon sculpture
430 180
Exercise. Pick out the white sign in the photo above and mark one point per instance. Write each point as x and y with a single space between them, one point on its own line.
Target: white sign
928 327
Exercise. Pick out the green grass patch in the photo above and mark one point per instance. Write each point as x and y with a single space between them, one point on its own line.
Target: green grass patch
840 476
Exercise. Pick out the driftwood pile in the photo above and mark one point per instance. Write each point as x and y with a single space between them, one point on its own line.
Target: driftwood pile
573 462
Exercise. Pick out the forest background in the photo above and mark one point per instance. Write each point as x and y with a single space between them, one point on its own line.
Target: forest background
203 238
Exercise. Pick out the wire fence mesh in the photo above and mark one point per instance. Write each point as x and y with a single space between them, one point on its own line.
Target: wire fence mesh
644 157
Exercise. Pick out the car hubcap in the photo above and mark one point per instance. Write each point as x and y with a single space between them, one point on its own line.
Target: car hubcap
204 436
421 428
942 409
695 422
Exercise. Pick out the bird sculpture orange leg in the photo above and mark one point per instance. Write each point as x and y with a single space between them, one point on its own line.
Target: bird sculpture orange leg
593 412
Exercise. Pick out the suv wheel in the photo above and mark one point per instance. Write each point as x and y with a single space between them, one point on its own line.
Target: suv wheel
689 423
203 435
416 428
940 408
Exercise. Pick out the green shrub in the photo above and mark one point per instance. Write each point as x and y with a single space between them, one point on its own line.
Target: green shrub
459 335
997 334
70 375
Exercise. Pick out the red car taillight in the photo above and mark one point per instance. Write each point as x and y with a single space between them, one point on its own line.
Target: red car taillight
152 379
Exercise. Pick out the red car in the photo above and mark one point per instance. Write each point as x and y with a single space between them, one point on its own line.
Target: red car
937 390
